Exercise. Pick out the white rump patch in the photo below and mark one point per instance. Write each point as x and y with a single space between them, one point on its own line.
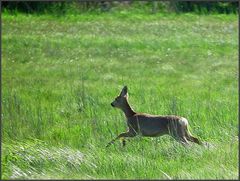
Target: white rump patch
183 121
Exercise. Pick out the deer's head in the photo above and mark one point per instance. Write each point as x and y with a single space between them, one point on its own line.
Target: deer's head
121 100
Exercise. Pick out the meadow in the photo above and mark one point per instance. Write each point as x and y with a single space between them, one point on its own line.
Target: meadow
60 74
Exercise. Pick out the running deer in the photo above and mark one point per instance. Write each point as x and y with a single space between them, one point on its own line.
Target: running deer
151 125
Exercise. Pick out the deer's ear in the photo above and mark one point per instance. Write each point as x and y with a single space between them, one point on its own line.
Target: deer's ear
124 92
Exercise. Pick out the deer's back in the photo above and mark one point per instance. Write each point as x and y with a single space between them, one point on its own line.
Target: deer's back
152 125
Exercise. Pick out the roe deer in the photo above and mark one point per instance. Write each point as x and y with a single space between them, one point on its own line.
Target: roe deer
151 125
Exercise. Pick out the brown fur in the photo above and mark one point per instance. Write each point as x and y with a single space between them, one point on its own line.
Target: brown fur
151 125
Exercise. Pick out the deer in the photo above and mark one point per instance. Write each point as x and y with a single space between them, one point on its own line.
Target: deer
149 125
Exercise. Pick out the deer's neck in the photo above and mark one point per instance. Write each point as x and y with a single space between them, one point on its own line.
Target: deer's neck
128 111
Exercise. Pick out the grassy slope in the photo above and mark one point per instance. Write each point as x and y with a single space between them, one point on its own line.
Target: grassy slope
60 75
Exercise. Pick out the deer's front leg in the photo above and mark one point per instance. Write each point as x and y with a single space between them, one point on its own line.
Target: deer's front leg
122 135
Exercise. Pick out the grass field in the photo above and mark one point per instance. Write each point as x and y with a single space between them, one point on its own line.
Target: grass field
60 74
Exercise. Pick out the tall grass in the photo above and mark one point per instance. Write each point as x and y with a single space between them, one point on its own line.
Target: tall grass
61 74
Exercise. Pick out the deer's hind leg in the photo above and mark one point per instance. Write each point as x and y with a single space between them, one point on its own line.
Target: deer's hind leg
194 139
178 133
182 139
182 136
191 138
